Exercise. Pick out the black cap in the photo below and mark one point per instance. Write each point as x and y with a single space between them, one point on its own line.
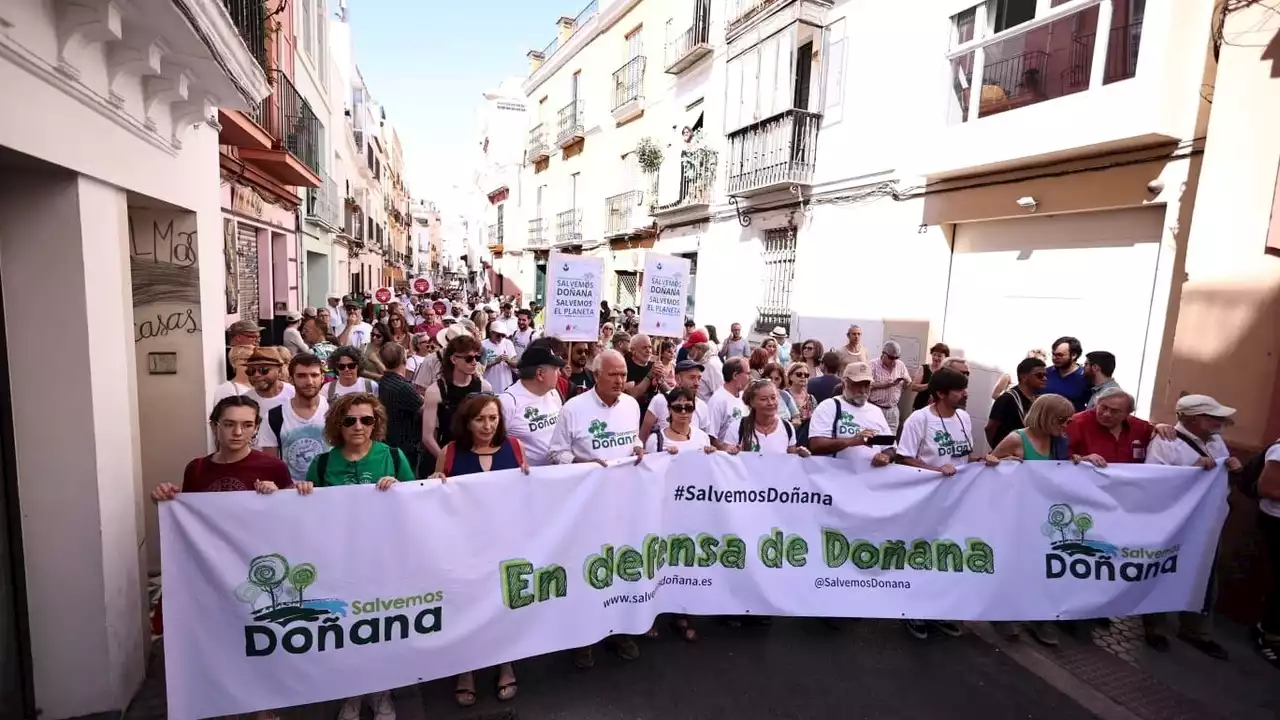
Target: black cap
684 365
537 356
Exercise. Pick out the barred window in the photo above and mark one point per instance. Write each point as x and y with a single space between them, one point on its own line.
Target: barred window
628 289
778 252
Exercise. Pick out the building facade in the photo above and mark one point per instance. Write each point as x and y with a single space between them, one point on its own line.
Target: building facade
110 181
398 260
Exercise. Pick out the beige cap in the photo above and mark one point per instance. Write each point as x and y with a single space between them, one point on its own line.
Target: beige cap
857 372
1203 405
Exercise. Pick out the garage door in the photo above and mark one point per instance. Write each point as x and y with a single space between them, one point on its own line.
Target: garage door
1020 284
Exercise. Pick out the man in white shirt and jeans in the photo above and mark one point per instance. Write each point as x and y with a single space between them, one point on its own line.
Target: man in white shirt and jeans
600 425
940 438
531 406
1198 444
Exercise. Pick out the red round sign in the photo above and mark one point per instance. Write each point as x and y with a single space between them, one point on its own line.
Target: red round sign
421 285
382 296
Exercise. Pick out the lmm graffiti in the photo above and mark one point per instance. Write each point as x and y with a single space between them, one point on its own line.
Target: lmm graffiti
164 245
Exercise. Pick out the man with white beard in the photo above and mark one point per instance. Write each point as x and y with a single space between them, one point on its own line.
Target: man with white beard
845 424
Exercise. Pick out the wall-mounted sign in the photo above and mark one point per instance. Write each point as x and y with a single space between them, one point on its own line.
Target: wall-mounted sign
162 363
247 200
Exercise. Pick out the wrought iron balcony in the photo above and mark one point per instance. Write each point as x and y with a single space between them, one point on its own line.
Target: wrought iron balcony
777 151
537 233
628 89
569 227
538 146
323 204
697 180
570 124
288 118
623 213
692 44
250 19
741 12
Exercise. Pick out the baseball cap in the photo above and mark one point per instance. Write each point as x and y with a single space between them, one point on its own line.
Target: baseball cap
1203 405
309 312
685 365
537 356
244 327
695 337
857 372
497 326
292 316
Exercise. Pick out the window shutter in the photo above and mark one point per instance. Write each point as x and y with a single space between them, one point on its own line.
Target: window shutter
768 86
750 87
833 109
784 79
733 96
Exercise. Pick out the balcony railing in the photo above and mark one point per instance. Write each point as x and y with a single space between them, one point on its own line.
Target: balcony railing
623 213
628 83
693 43
588 12
780 150
1012 77
741 12
570 123
287 117
538 148
697 180
569 227
323 203
537 233
250 19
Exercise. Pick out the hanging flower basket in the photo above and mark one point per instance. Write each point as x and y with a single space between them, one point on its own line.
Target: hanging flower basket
648 155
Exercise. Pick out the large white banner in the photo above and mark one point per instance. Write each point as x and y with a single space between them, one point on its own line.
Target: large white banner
663 297
274 601
573 296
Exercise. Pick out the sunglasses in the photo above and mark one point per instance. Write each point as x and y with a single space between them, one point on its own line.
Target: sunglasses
376 336
251 371
467 358
346 366
682 408
801 375
351 420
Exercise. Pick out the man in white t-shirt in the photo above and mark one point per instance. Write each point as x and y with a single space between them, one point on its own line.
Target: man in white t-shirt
294 431
1198 443
725 407
843 425
357 332
657 417
498 356
263 370
524 333
531 406
940 438
712 369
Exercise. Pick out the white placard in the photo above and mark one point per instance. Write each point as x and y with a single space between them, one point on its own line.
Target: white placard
664 295
573 296
274 601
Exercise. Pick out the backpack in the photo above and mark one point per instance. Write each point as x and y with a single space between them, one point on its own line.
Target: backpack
516 448
275 421
744 430
1247 478
322 462
333 390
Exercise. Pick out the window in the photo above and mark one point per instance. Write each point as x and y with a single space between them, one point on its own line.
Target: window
500 211
772 77
573 191
628 294
833 108
778 252
307 26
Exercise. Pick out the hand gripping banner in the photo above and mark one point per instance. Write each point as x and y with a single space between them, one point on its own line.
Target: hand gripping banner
275 601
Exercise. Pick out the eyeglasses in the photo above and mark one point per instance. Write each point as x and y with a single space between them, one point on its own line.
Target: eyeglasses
1063 419
467 358
351 420
682 408
801 375
376 336
259 370
346 366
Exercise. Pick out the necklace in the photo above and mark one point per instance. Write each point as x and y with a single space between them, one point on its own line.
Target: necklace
687 435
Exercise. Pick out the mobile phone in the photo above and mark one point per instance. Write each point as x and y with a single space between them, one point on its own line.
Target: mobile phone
882 440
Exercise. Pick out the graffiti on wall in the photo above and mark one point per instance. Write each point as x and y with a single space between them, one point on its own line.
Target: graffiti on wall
163 269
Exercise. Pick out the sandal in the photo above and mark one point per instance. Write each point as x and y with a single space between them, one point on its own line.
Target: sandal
626 648
584 659
681 627
507 690
465 696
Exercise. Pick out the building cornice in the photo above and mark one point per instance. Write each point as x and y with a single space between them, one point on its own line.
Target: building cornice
583 36
213 25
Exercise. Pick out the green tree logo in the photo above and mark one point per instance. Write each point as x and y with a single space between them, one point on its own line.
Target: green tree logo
302 577
597 428
285 586
1068 533
268 573
530 412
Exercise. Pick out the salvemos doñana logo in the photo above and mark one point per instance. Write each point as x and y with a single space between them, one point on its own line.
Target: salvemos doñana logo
602 437
1072 552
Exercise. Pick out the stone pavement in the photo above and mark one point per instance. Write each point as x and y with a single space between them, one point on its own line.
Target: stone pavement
797 669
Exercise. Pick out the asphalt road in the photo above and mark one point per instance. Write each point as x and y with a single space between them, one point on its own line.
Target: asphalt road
795 669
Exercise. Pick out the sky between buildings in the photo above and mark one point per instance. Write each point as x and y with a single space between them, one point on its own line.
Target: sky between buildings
428 61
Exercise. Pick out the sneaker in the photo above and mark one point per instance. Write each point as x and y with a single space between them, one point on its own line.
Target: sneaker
1269 650
919 629
1044 633
946 627
350 709
384 708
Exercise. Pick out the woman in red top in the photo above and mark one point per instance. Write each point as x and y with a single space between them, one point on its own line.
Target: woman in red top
234 465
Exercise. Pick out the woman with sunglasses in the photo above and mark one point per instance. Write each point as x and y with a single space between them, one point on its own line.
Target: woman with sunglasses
480 444
370 365
398 328
354 428
796 398
764 430
345 363
459 379
811 355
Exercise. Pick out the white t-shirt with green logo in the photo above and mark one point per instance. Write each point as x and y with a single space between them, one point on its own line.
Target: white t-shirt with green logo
726 411
853 420
934 440
531 419
590 430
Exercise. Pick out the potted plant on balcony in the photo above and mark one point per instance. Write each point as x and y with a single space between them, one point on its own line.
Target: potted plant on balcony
648 155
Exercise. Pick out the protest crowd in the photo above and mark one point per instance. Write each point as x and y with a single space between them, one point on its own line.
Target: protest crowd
442 386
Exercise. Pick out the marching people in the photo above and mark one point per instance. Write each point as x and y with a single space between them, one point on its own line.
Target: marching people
402 403
524 334
846 425
241 333
345 363
622 342
481 444
688 377
1044 436
606 335
239 383
1109 433
735 345
828 383
429 367
234 464
644 373
1099 366
852 351
531 406
1005 381
725 406
498 356
890 377
666 362
712 369
600 426
1067 377
797 400
294 431
1009 411
937 354
1198 443
262 368
756 362
811 355
458 380
1266 634
773 344
763 430
578 371
292 337
399 329
940 438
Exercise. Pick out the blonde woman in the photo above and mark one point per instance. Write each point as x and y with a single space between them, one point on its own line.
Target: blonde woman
1045 436
606 334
